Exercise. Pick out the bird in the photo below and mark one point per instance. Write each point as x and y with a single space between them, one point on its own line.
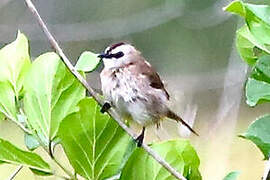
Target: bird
131 85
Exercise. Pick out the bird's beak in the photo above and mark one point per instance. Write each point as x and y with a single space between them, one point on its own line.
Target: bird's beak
101 56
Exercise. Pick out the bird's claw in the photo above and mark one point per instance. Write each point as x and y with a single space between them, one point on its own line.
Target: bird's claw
139 140
106 106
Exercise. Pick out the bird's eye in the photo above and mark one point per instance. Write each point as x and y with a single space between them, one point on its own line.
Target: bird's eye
109 56
118 55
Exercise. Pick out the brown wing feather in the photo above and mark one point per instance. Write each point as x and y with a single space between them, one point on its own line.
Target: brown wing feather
145 68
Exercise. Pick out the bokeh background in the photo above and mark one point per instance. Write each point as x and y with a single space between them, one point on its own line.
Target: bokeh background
191 43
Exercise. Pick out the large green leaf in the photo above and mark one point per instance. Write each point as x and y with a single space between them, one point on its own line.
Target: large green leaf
258 133
232 175
15 61
51 93
11 154
178 153
257 19
258 85
87 62
93 142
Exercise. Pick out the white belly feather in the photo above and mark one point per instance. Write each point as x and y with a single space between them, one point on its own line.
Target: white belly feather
124 95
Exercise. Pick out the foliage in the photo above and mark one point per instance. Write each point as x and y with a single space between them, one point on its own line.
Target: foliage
31 142
45 100
258 133
178 153
253 43
11 154
258 84
51 93
87 62
15 61
232 175
95 136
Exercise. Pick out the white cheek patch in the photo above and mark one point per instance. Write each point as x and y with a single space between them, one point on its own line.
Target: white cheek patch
107 49
108 63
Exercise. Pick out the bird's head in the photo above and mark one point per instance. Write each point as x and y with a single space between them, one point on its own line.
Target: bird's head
118 55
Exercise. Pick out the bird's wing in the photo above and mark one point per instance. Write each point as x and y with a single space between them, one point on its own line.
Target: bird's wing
144 70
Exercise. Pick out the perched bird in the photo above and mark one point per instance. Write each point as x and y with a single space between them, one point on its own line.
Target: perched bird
133 87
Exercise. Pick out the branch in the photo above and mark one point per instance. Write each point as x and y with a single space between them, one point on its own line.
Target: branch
266 174
12 176
111 112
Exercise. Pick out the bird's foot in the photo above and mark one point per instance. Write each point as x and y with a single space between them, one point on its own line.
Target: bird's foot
140 138
106 106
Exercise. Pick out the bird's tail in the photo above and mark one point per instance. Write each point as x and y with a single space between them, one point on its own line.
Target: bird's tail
174 116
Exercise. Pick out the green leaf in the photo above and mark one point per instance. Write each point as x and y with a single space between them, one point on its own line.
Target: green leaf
247 46
232 175
178 153
30 142
15 61
40 173
51 93
258 85
257 91
92 141
132 145
258 133
11 154
261 69
236 7
7 101
257 19
87 62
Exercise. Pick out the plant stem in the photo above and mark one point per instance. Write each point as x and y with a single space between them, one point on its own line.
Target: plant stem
63 168
18 123
50 153
75 175
50 150
94 94
22 127
12 176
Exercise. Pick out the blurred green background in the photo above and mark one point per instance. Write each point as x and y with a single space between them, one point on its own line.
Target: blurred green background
189 42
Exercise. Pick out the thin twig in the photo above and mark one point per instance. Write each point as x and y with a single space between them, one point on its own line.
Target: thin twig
12 176
17 123
49 150
111 112
50 153
22 127
266 174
